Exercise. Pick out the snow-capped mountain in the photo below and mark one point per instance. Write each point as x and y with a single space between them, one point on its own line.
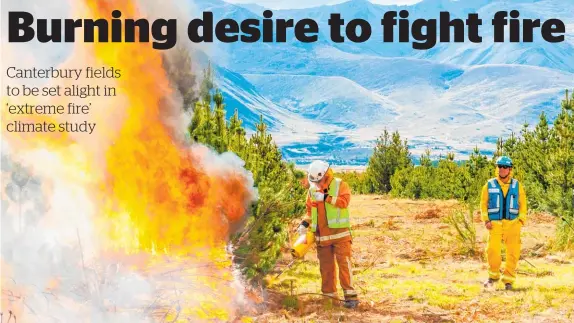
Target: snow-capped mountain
333 99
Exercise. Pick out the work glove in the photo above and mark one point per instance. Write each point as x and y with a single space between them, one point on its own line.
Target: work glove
320 197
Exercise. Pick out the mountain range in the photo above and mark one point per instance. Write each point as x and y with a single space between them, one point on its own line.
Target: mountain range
332 100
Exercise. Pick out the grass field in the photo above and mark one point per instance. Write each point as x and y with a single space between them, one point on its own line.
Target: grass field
411 266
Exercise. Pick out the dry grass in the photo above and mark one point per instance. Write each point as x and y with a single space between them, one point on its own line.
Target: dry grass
408 268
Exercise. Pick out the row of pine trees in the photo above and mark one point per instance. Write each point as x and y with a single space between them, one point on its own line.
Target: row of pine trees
279 184
543 158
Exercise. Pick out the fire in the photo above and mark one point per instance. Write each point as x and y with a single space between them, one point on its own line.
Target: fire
154 208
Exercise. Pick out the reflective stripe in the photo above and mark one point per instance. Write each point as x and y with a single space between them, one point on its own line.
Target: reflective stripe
493 190
511 208
336 193
338 220
334 236
498 201
337 186
350 293
492 182
330 294
493 210
514 183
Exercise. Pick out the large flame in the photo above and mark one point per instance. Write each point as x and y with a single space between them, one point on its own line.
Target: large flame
151 204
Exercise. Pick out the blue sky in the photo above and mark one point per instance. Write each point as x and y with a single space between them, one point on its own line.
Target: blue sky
292 4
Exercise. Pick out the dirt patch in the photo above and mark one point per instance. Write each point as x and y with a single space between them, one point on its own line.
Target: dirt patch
541 217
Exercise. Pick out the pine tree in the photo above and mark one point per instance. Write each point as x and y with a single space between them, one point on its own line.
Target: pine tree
561 172
220 127
281 197
479 170
207 84
499 149
532 159
197 121
415 182
390 155
476 163
236 135
425 160
450 180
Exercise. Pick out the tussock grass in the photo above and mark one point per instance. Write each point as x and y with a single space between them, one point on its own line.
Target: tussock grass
463 223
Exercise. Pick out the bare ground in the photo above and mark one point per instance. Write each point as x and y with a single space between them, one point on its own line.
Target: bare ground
409 266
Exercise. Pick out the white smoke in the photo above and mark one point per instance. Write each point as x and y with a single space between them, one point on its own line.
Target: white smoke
49 257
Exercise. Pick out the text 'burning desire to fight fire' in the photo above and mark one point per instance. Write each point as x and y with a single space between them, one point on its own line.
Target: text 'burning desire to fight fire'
164 31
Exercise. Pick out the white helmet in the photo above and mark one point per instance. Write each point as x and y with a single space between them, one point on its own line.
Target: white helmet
317 170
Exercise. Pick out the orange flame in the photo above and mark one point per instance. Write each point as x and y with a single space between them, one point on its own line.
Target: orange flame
161 198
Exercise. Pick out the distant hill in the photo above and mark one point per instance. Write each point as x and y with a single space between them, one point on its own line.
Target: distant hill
332 100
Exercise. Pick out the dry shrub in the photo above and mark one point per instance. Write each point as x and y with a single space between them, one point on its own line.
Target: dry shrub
368 224
432 213
390 225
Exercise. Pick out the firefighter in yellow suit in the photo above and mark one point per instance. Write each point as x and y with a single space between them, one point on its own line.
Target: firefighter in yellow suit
503 210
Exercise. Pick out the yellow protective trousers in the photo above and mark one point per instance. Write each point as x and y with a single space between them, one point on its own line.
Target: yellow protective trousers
509 232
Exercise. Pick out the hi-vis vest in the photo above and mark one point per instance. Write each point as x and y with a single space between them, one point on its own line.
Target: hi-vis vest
500 207
336 218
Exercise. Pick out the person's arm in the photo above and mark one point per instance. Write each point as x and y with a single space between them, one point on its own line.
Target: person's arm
342 201
484 203
522 204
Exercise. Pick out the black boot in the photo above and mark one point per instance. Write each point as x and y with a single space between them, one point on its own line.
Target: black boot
489 283
351 303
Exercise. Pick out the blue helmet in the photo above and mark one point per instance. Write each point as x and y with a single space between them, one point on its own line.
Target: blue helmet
504 161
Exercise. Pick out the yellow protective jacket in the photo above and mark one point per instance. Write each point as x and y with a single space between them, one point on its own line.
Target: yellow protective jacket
504 185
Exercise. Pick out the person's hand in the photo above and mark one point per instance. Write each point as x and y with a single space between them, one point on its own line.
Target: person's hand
319 197
488 225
